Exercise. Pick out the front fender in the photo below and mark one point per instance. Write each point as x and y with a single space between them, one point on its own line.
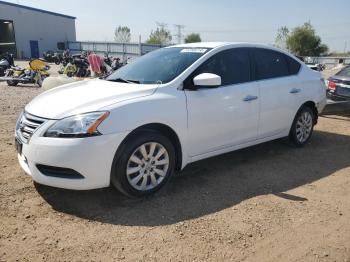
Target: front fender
166 106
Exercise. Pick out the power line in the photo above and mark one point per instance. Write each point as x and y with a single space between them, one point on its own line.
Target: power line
161 25
179 34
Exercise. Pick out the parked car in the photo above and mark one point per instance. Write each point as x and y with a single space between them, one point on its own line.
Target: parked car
309 61
338 87
169 108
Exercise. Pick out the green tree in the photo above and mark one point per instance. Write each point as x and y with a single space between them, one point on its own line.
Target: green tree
161 36
303 41
193 38
122 34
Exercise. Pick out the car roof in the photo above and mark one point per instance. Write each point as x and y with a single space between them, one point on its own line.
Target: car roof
219 44
233 44
202 45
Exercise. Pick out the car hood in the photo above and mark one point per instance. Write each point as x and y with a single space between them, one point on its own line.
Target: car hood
84 96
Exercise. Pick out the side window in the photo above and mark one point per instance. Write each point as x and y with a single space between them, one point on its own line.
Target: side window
269 64
232 65
293 65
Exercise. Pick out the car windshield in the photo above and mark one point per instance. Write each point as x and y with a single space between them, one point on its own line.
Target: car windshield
160 66
344 72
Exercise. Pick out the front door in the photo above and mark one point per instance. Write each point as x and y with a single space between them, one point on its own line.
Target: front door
34 48
227 115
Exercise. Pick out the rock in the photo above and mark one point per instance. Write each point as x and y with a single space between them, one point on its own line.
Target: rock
27 216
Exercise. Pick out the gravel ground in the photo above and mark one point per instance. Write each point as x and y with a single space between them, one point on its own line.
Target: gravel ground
265 203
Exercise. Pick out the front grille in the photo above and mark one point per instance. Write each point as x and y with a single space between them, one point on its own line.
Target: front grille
27 126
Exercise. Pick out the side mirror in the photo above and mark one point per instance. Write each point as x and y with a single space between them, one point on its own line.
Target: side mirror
207 80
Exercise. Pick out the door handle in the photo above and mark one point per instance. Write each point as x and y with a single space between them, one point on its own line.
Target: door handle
295 90
249 98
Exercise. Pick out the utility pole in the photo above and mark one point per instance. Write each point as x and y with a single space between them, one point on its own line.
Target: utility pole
345 44
164 35
179 34
162 26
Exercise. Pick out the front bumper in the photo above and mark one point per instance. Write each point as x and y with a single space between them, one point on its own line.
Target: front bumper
92 157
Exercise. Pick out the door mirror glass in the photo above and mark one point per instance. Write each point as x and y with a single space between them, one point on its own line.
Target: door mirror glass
207 80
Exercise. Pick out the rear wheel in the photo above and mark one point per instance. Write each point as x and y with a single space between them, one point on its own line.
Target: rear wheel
302 127
143 164
11 82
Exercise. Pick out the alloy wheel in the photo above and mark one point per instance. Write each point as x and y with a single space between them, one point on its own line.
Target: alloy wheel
147 166
304 126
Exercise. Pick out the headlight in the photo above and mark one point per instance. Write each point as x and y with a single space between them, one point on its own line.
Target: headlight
82 125
18 120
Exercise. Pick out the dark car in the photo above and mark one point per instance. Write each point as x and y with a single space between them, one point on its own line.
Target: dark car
339 85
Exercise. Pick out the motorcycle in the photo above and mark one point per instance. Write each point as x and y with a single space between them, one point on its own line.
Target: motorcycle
52 57
116 64
75 65
34 74
5 63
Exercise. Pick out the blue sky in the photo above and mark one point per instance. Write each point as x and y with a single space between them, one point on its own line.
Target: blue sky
220 20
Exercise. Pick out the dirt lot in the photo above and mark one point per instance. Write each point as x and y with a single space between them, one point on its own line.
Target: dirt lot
266 203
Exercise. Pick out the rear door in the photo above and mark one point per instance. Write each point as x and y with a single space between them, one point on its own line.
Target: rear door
280 91
227 115
34 48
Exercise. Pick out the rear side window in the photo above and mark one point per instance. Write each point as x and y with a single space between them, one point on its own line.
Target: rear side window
232 65
293 65
269 64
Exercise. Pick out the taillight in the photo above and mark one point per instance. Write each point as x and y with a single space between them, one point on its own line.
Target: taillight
332 85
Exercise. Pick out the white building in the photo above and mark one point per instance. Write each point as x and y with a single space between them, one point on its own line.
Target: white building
28 32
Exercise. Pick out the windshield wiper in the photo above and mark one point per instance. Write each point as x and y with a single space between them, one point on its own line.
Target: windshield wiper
133 81
124 81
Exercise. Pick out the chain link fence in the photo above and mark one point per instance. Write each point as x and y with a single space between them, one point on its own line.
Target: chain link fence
132 50
123 50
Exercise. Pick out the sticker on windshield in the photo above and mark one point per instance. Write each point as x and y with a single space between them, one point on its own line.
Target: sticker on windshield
194 50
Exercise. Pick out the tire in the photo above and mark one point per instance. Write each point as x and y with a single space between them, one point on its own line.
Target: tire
302 127
40 81
141 178
12 82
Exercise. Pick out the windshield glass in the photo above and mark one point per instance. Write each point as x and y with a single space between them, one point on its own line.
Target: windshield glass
344 72
160 66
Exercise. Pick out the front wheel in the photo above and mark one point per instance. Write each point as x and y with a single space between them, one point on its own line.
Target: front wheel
143 164
302 126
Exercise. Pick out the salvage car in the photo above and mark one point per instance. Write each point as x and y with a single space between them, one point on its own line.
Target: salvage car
171 107
338 87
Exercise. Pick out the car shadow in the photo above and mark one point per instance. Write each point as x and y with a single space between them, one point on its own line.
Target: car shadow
211 185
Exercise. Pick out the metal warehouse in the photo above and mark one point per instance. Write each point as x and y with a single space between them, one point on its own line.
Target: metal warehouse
28 32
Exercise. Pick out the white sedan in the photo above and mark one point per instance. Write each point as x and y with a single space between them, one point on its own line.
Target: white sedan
169 108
